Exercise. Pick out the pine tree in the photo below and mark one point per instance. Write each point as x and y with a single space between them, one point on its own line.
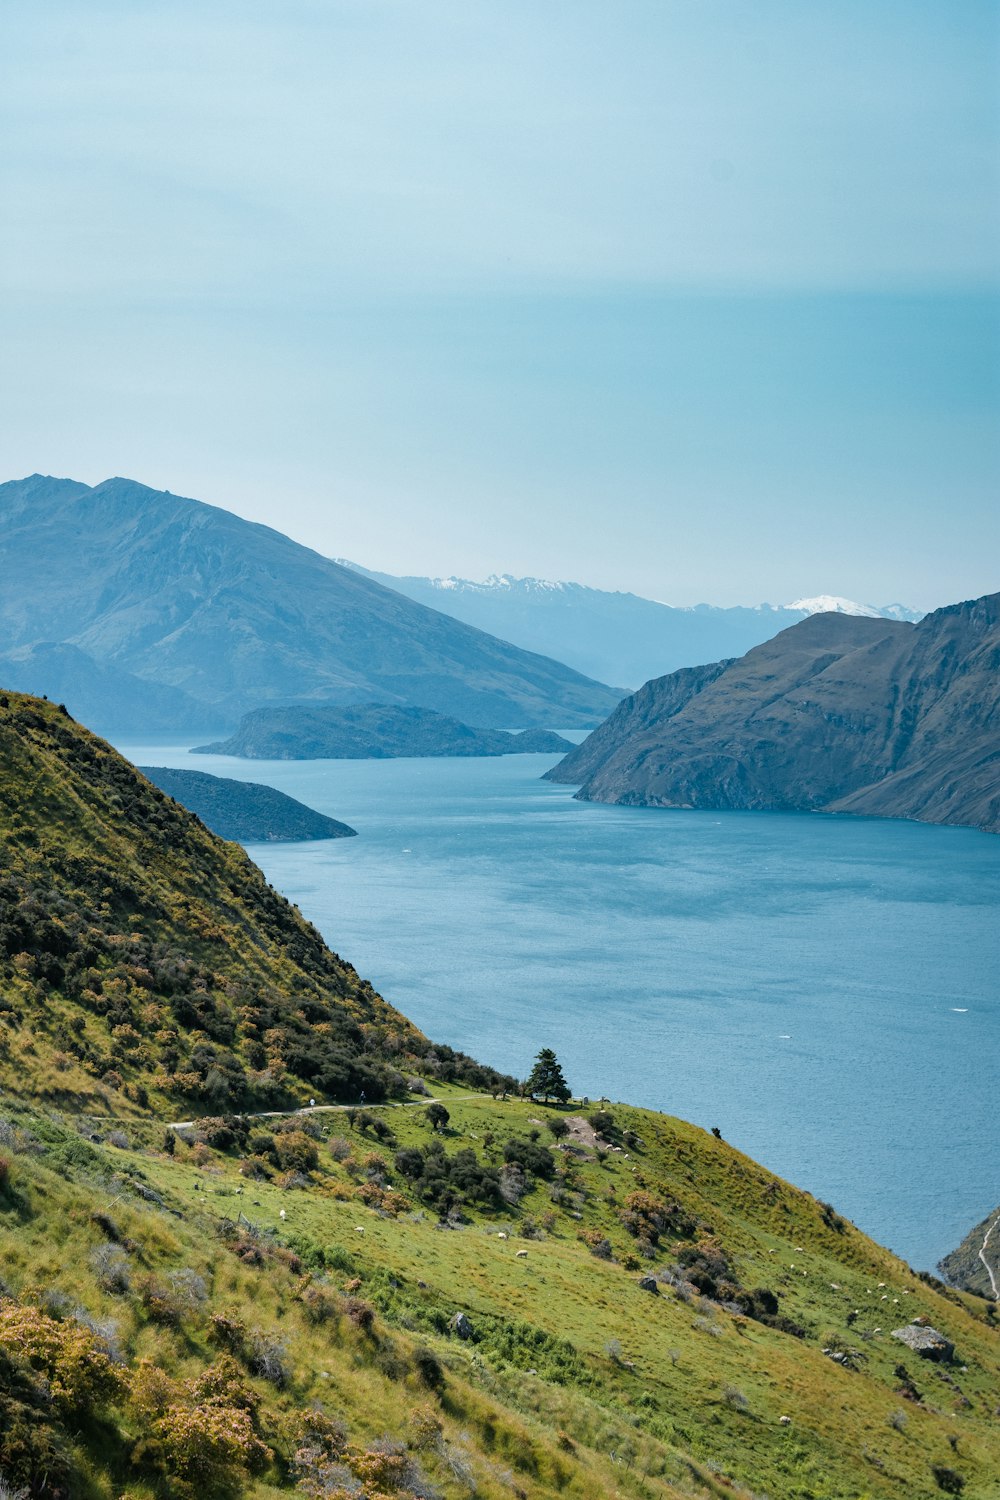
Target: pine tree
547 1078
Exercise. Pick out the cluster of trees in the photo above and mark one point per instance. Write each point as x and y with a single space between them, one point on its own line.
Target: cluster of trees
443 1181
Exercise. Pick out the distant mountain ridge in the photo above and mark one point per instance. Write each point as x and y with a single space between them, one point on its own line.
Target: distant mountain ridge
197 613
839 713
617 637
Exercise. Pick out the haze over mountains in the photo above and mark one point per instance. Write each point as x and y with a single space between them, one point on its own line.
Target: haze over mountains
144 609
839 713
616 637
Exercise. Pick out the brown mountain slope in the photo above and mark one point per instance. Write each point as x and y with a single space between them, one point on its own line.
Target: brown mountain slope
838 713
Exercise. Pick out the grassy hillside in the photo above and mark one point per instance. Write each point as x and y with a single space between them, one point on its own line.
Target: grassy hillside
145 963
492 1298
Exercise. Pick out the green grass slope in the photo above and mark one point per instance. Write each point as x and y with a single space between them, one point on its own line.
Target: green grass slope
509 1300
146 963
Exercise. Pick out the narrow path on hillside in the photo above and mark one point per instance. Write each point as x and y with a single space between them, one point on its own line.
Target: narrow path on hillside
326 1109
982 1256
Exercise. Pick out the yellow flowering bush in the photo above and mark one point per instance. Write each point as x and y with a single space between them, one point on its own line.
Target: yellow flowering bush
80 1374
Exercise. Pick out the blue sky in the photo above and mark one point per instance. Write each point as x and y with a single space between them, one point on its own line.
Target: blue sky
698 299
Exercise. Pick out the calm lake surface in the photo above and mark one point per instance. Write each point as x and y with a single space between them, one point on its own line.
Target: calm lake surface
822 989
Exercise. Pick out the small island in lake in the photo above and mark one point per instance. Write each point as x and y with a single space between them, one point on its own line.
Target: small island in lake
372 731
245 811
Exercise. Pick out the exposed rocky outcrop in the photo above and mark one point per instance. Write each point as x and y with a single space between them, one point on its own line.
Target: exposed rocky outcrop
926 1342
838 714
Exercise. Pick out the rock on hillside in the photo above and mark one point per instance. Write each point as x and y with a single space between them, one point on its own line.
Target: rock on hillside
245 810
372 731
837 714
235 615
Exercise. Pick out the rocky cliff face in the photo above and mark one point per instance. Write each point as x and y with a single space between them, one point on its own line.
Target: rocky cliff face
838 713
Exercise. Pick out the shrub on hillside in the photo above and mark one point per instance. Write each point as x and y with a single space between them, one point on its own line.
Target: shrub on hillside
210 1445
82 1378
428 1367
296 1152
530 1157
513 1184
227 1332
647 1218
597 1243
443 1180
36 1455
947 1479
112 1269
267 1357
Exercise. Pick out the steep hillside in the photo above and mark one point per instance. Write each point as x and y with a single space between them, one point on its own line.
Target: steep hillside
245 810
141 958
615 637
481 1307
839 714
456 1293
233 615
372 731
643 713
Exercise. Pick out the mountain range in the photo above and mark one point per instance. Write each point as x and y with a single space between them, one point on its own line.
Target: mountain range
139 608
616 637
839 713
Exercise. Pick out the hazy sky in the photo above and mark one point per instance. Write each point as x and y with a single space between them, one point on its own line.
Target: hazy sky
693 297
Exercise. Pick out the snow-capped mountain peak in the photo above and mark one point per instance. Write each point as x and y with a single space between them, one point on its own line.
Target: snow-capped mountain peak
823 604
499 583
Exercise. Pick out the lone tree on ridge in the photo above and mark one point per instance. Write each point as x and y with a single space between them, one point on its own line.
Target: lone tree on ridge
547 1078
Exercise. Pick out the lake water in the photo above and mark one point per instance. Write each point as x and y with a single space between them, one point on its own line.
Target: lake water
822 989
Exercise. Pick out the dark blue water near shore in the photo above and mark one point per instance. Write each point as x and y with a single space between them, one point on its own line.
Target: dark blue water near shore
822 989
